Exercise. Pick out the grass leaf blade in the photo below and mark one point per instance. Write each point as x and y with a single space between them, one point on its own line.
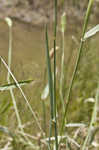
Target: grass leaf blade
14 85
91 32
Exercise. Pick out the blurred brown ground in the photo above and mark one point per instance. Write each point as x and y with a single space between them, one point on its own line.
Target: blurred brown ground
39 12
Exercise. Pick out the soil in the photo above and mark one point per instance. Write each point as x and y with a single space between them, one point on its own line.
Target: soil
39 12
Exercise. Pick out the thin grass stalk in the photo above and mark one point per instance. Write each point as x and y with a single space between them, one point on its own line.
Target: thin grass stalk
44 107
62 75
63 24
93 119
55 31
77 61
9 52
9 22
50 82
8 75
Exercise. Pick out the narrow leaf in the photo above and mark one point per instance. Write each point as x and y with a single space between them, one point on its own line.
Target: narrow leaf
50 80
91 32
14 85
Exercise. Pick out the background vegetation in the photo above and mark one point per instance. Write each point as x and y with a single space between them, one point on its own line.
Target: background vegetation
25 119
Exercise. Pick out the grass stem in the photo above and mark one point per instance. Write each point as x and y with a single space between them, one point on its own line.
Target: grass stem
77 62
50 82
8 76
55 35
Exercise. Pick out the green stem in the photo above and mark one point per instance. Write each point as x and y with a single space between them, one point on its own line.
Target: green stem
8 79
55 31
50 82
49 75
77 62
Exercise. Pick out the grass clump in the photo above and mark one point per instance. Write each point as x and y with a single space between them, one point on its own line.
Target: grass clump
65 131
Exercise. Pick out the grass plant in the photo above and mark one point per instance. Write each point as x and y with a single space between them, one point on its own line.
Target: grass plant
77 61
9 22
50 84
60 135
55 36
17 84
